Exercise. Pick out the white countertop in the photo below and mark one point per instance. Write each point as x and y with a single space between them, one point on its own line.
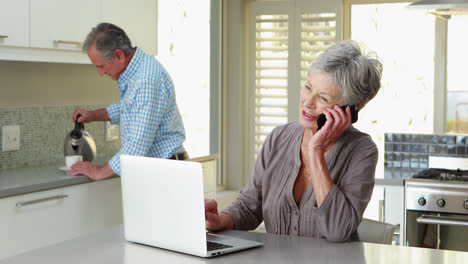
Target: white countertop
33 179
26 180
110 247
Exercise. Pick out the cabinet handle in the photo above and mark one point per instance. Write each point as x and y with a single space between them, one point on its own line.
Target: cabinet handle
3 36
67 42
57 197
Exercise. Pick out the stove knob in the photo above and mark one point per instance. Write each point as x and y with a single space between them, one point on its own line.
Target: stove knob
422 201
441 202
465 204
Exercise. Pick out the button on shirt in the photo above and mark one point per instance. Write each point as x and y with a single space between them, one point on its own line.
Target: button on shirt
150 122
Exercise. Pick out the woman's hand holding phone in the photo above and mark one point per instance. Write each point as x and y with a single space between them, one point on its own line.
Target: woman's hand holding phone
337 121
321 119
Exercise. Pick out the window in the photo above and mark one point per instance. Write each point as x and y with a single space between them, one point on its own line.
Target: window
184 49
286 37
404 103
404 41
457 89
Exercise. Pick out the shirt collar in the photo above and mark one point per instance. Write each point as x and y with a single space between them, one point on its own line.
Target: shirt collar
131 68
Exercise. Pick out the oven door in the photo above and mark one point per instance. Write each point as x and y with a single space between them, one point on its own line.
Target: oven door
437 230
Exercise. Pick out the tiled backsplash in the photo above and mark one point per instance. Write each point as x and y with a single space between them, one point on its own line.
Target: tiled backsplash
408 154
42 134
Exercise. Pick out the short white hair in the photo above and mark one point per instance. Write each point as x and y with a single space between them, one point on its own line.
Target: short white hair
357 75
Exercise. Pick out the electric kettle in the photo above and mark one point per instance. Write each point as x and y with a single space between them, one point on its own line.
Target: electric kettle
80 142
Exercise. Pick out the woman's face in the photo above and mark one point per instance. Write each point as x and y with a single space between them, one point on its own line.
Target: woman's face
318 93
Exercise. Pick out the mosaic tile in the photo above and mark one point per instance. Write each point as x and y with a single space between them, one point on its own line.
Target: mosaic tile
46 147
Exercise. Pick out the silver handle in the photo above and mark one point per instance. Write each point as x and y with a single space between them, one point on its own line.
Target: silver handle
442 220
3 36
57 197
67 42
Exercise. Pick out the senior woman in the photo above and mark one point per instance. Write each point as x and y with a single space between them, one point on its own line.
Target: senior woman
311 182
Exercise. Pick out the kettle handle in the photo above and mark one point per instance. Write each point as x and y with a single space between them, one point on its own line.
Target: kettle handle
78 126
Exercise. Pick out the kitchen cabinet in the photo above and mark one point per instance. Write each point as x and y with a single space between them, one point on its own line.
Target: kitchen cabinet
137 18
105 204
14 23
38 219
54 30
62 24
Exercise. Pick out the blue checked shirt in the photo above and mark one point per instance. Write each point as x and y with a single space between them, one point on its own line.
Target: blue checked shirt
150 122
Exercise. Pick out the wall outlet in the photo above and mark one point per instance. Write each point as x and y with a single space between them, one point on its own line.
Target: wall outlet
10 138
111 131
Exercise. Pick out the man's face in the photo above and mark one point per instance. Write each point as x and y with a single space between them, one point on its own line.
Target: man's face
112 68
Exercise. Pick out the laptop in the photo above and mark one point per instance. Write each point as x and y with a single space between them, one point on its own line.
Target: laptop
163 206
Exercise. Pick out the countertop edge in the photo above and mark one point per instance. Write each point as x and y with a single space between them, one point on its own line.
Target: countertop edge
46 186
390 182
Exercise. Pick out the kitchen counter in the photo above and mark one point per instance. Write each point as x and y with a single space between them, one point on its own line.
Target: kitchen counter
27 180
110 247
34 179
390 182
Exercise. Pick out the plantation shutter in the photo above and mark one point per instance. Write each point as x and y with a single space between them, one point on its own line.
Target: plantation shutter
271 76
318 32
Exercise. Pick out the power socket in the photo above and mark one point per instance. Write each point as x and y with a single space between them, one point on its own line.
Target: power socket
111 131
10 138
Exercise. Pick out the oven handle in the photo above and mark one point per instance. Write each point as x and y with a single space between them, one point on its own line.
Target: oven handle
441 220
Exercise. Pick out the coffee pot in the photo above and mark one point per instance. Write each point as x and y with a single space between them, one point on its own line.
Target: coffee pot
80 142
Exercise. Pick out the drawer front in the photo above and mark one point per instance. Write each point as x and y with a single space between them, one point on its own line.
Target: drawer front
43 218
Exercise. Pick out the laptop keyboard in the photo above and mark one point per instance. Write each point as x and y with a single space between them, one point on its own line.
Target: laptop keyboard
215 246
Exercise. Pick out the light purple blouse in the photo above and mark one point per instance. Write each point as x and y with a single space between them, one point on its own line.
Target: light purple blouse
269 197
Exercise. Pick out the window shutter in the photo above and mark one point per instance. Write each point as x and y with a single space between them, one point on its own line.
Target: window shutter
271 75
318 32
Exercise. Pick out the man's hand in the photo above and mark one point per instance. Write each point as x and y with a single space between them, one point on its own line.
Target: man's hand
90 116
92 171
84 116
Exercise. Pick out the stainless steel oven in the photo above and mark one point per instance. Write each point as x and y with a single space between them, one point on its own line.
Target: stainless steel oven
436 213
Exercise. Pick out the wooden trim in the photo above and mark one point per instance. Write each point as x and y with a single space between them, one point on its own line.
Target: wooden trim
206 158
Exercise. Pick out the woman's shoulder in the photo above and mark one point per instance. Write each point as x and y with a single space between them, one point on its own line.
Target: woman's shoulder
357 139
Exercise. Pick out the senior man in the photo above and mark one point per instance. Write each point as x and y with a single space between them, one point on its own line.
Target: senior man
150 122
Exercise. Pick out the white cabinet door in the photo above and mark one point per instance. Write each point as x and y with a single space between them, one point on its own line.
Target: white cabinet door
43 218
137 18
62 24
14 23
105 204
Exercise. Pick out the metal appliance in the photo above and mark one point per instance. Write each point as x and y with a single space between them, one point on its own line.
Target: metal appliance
436 209
80 142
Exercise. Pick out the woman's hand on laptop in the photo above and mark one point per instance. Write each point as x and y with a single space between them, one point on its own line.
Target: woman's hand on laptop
216 221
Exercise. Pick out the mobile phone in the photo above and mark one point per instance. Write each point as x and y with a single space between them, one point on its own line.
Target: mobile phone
321 119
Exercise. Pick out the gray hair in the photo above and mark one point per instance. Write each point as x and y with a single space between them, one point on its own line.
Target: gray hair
108 38
357 75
